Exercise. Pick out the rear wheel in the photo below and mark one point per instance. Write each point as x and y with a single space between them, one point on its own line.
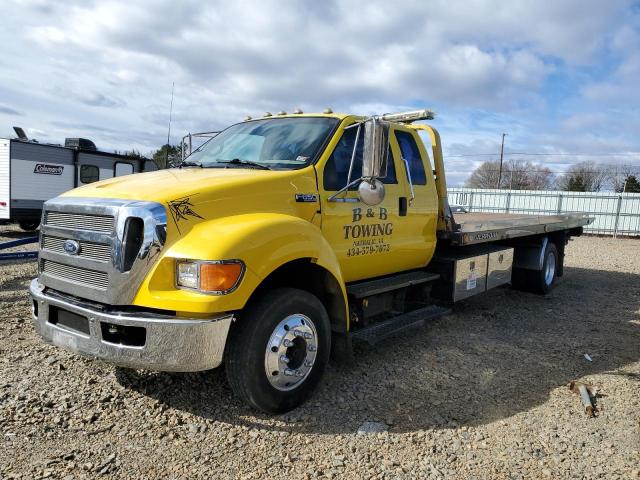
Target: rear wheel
549 268
539 281
277 351
29 225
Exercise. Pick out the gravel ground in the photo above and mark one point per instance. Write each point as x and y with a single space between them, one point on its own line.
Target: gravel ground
481 393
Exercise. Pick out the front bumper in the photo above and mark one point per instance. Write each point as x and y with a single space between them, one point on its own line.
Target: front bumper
169 343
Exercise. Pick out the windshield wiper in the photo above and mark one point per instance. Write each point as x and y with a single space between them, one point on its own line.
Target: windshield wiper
185 163
237 161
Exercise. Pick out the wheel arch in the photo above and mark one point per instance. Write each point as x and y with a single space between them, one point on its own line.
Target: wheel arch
529 251
305 274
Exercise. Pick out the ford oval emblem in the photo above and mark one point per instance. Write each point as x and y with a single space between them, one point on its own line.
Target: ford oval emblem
71 247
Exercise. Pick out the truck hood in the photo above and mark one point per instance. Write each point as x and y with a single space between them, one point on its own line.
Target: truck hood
164 185
208 193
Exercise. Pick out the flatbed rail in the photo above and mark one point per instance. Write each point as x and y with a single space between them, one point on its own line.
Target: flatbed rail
475 228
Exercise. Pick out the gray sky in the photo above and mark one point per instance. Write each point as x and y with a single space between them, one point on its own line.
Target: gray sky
558 77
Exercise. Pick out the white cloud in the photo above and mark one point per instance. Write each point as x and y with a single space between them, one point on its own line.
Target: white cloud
104 69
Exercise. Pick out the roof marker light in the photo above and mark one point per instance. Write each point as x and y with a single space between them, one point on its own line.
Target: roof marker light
412 116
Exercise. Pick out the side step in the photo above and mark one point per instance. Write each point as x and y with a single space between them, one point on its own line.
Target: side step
387 284
382 330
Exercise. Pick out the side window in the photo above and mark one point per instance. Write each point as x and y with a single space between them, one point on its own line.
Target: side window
336 170
411 153
122 168
89 173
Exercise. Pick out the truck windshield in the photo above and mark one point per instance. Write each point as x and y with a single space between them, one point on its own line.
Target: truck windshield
273 143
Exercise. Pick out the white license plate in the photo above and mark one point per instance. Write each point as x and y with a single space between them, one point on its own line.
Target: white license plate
65 340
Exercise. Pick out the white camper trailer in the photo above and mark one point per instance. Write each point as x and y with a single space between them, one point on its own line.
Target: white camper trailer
31 173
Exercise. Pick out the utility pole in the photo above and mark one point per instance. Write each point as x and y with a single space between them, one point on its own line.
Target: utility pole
501 157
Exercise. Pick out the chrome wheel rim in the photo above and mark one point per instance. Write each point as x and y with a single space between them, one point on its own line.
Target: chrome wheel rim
291 352
550 268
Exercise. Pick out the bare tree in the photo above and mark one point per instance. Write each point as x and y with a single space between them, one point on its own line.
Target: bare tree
584 177
485 176
541 178
516 175
619 175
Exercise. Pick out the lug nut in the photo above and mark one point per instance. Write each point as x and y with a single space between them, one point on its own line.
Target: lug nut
284 359
288 372
287 343
307 335
312 348
298 333
299 373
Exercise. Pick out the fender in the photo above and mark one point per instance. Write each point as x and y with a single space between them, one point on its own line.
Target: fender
263 241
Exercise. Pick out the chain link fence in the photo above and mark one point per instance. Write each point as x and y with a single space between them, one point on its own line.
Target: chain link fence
616 214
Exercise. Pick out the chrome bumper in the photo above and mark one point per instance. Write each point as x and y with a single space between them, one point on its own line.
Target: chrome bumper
170 343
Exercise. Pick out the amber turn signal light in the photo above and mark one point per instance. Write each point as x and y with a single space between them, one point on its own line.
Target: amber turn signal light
219 277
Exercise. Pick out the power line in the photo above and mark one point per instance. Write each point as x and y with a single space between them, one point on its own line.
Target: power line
614 172
613 154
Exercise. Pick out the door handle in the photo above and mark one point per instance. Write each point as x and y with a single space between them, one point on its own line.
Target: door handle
402 206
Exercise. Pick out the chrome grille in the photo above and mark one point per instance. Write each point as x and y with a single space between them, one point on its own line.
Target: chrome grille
80 221
101 271
89 250
80 276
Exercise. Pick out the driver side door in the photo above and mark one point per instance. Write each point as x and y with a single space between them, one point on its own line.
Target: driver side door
368 240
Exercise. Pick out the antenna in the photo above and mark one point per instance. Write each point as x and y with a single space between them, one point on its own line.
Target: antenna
166 159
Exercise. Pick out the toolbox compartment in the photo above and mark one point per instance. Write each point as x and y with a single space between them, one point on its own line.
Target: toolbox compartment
465 272
499 267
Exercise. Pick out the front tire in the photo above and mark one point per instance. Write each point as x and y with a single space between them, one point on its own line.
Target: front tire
278 349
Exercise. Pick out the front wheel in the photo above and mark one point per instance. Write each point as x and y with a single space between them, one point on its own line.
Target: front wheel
278 349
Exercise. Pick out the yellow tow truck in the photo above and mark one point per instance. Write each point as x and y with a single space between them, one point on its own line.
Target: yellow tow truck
279 241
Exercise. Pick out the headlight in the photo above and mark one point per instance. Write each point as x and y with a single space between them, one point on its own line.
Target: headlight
188 274
217 277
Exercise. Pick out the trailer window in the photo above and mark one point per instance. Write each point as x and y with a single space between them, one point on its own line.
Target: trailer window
122 168
89 173
411 153
336 170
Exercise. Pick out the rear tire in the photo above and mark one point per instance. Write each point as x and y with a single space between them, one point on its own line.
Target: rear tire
29 225
278 349
539 281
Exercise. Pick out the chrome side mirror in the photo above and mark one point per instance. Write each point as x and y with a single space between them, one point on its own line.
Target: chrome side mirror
374 162
376 147
371 192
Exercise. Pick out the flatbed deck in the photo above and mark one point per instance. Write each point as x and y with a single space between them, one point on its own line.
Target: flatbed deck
474 228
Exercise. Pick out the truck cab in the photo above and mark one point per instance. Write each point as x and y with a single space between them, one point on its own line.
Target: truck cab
280 240
397 234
